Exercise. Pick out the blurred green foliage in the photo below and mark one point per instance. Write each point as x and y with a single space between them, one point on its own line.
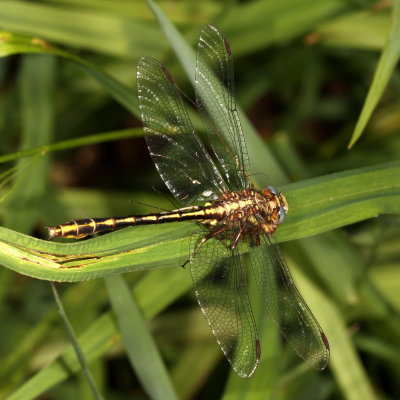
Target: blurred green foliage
303 72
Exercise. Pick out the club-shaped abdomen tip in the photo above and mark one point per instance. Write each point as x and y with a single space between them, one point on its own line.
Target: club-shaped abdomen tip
52 231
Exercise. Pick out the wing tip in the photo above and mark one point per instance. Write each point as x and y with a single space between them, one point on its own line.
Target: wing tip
324 361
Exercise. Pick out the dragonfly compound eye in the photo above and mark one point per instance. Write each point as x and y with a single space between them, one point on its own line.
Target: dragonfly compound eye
272 189
281 216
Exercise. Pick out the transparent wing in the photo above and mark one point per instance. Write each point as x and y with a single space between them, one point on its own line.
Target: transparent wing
216 103
181 160
220 284
286 306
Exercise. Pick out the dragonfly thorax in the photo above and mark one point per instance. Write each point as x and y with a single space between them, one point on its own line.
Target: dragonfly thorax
251 209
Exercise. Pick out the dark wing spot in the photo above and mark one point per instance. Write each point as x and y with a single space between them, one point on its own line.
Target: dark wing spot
167 74
228 47
325 340
258 349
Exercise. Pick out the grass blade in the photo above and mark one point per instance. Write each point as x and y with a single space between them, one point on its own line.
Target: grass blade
73 143
141 349
316 205
104 333
75 345
11 43
389 58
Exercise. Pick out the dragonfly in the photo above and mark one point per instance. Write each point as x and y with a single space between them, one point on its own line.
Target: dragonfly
210 177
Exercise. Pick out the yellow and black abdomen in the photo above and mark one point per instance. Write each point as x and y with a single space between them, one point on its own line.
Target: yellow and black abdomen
85 227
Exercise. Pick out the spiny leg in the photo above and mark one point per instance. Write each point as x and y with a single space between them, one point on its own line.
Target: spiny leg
215 232
237 238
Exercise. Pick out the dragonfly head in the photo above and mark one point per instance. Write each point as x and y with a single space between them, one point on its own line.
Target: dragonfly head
278 204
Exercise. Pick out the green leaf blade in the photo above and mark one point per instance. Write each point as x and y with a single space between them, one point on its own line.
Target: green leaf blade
389 58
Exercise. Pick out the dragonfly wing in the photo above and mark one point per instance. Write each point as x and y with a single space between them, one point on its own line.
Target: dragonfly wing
181 160
286 306
215 96
220 284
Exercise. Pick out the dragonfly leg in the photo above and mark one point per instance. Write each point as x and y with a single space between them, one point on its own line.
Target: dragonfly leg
256 237
215 232
236 240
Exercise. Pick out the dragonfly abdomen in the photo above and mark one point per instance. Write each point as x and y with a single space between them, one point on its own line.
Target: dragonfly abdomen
81 228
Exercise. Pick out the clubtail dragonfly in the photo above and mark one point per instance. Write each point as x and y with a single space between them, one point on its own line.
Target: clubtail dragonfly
234 216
